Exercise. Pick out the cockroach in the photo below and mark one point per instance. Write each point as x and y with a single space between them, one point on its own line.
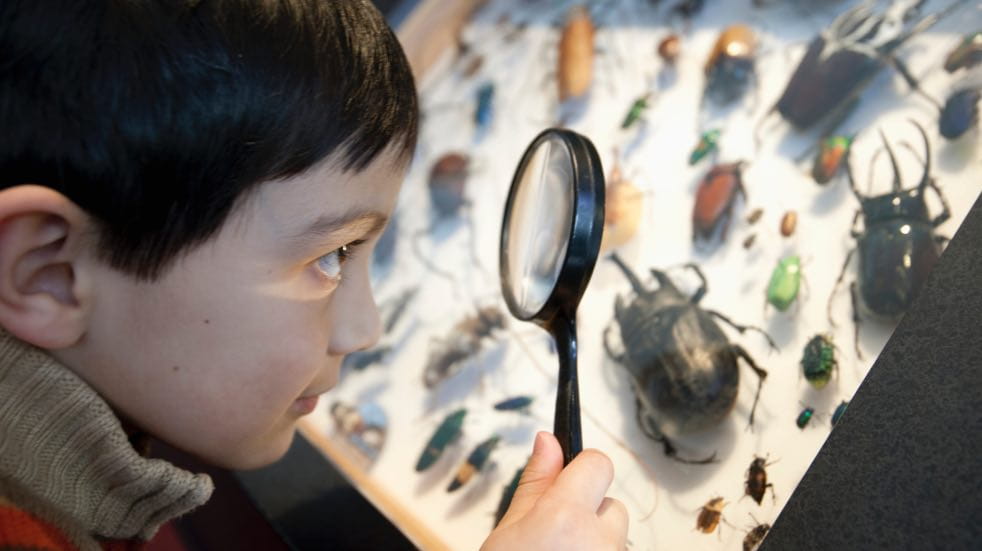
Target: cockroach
622 210
669 48
845 58
831 156
755 536
448 179
464 341
516 403
448 432
363 426
967 54
898 246
756 483
730 67
635 111
707 144
715 198
788 223
575 70
507 494
474 463
709 515
754 216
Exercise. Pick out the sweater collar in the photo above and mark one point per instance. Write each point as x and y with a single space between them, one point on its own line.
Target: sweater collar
61 442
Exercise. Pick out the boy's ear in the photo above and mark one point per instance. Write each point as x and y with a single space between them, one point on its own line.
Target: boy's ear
44 294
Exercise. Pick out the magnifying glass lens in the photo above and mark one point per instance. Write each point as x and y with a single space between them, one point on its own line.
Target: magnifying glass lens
539 226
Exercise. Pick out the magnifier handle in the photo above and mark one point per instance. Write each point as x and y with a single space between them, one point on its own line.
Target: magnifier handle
567 425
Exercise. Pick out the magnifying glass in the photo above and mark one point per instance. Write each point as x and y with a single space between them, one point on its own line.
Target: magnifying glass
550 239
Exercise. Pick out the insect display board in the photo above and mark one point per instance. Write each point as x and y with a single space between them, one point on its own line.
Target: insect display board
741 172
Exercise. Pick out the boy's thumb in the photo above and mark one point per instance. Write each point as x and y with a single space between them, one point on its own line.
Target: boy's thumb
543 467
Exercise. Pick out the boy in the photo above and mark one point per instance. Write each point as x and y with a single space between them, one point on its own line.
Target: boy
190 193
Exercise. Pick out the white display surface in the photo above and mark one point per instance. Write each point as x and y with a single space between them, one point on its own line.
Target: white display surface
662 496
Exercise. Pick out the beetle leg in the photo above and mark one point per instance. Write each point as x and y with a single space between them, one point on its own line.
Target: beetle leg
703 286
945 212
619 358
742 328
901 68
855 320
761 375
842 273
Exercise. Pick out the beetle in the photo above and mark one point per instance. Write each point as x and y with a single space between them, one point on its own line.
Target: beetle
636 110
622 209
839 411
788 223
804 417
507 494
960 112
756 483
483 111
669 48
898 246
967 54
832 152
709 515
474 463
448 178
755 536
364 426
464 341
683 369
447 433
755 216
575 63
782 290
715 198
845 58
730 67
516 403
818 360
708 142
749 241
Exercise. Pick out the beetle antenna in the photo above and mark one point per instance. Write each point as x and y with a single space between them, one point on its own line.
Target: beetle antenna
852 181
897 184
630 275
926 178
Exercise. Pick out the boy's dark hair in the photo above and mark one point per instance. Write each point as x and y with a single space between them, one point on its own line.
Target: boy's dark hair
158 116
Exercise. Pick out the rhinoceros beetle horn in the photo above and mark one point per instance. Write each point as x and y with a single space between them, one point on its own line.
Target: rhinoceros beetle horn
897 183
630 275
926 178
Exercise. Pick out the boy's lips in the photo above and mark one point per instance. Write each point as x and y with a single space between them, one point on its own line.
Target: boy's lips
305 404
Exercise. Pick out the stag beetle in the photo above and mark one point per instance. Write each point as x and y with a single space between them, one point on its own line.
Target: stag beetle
897 247
844 59
683 368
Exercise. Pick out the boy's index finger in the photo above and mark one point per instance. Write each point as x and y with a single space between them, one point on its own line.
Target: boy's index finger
585 480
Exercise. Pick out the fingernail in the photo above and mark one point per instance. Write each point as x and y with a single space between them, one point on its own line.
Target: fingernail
537 445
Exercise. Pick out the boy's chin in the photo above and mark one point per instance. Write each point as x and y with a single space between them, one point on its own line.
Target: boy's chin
255 457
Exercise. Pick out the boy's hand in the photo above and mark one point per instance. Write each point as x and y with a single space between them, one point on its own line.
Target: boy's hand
556 508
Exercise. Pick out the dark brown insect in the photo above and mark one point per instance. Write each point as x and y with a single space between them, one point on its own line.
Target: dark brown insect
709 515
715 198
730 67
754 216
448 178
788 223
755 536
749 241
669 48
756 483
464 341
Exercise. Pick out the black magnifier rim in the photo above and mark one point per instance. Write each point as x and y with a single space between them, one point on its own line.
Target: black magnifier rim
585 233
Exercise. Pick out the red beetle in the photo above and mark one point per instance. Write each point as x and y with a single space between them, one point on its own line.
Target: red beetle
714 200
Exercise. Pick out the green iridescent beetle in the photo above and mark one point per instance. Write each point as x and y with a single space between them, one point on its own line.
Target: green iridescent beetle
448 431
637 109
707 144
818 360
475 462
785 282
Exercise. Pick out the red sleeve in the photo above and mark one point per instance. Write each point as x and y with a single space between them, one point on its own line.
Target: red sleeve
22 530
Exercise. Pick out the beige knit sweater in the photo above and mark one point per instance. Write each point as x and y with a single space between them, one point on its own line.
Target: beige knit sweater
65 457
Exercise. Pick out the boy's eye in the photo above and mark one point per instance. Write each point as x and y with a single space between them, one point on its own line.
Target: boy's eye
330 263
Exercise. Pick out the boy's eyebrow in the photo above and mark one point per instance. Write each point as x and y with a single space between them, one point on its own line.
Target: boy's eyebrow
368 222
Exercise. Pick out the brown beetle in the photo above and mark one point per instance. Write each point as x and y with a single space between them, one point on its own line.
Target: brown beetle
714 200
669 48
755 536
448 176
730 67
756 483
788 223
575 71
622 210
709 515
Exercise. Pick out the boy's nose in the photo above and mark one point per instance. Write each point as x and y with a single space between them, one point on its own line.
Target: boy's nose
357 325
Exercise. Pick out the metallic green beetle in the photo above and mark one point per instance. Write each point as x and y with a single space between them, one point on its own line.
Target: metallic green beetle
448 431
634 113
785 282
707 144
818 360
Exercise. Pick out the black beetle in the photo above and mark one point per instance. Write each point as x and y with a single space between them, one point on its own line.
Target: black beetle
897 247
844 59
683 369
756 483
